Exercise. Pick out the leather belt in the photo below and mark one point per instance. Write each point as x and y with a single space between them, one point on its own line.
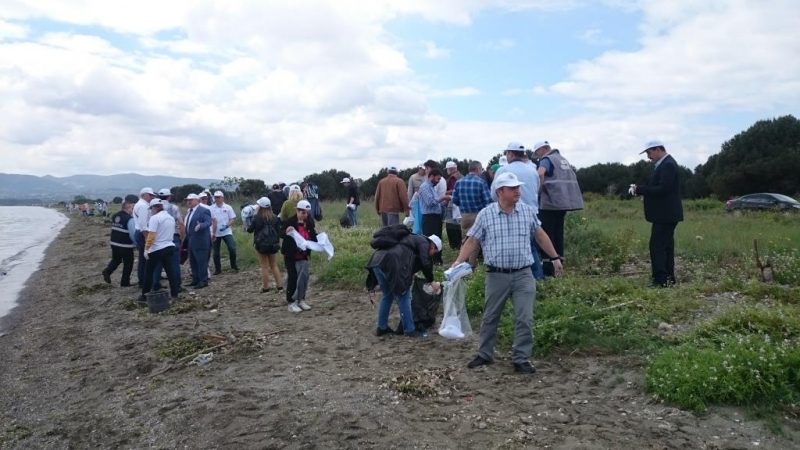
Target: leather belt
493 269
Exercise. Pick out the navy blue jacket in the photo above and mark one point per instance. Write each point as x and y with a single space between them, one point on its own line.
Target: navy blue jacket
202 238
662 193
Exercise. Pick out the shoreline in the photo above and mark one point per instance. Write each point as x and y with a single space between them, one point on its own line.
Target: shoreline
82 370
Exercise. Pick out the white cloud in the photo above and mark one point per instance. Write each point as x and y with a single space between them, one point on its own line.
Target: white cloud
10 30
457 92
595 36
500 44
432 51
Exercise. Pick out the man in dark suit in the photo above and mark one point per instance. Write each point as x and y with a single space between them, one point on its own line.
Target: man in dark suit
198 240
662 208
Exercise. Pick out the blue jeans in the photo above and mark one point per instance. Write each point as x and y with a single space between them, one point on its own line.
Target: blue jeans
175 263
353 215
231 244
142 262
536 268
403 305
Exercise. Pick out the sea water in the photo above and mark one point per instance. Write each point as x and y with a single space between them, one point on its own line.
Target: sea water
25 233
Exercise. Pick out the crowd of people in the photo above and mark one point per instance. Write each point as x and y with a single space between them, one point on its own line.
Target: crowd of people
512 213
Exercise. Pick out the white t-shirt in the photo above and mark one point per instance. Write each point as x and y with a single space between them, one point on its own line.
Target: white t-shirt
163 225
141 214
223 214
440 189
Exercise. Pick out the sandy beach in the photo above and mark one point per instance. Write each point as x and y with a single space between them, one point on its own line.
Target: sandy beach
82 368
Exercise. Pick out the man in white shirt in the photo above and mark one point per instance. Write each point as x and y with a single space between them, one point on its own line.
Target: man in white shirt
141 214
224 215
159 247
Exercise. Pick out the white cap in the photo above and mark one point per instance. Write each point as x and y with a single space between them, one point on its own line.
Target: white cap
506 179
192 197
540 144
436 241
164 192
303 204
146 191
514 146
264 202
450 165
421 166
503 161
345 180
650 144
294 187
219 194
156 201
202 194
391 169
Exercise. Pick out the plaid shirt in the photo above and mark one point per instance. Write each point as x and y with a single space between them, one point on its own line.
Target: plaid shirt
505 238
471 194
428 202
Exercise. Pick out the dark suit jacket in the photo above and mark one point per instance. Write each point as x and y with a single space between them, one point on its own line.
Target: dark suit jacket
662 194
199 239
289 247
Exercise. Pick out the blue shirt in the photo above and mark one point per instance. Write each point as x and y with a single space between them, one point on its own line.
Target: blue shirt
471 194
132 229
547 165
529 192
505 238
428 202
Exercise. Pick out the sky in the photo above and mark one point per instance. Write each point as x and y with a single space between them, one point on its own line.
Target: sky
277 90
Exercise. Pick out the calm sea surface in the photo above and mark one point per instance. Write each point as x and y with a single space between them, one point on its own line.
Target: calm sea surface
25 233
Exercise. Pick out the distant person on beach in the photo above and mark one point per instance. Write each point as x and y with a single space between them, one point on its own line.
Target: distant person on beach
224 216
503 230
159 247
198 240
296 260
141 214
391 198
123 241
353 200
266 229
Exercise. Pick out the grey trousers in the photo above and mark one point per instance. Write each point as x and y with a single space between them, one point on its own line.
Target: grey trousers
521 287
302 280
389 219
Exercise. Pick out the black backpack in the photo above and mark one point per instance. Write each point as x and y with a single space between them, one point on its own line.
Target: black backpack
388 237
267 241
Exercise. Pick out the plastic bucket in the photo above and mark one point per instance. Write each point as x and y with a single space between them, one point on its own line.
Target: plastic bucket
157 301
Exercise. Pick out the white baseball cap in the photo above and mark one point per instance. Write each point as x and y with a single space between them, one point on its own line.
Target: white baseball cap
540 144
192 197
436 241
303 204
450 165
503 161
219 194
506 179
264 202
146 191
164 192
294 187
650 144
421 166
514 146
156 201
391 169
202 194
345 180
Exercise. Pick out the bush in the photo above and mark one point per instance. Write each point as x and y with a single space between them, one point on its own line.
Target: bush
593 250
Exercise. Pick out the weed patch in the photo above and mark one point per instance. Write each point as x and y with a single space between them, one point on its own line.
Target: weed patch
84 289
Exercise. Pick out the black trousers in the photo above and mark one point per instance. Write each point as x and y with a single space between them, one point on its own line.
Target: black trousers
163 256
453 235
662 252
291 277
122 255
553 225
432 225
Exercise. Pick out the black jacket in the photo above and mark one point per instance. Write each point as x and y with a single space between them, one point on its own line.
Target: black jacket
289 247
401 262
258 223
662 193
276 199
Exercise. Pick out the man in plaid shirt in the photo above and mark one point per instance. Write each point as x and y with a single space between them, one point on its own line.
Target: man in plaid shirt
471 195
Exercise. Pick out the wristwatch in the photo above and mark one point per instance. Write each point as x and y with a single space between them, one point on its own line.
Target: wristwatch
555 258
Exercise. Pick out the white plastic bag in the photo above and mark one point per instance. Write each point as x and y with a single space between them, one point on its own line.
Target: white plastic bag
409 221
455 323
452 214
323 244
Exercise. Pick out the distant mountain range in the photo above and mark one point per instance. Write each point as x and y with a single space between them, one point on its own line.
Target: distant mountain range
49 188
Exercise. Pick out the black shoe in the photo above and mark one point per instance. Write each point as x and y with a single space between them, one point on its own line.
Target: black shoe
106 277
413 334
399 330
192 284
525 367
125 284
182 289
672 281
383 332
217 272
235 269
479 361
201 285
654 285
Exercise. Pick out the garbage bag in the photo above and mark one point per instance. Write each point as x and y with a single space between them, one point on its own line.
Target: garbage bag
455 323
424 305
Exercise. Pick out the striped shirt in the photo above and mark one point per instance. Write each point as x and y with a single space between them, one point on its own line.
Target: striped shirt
471 194
505 238
428 201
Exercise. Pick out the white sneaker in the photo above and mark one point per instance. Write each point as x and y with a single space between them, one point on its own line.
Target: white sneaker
304 305
293 307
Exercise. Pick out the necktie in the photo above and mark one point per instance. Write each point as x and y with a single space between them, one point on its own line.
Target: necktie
189 217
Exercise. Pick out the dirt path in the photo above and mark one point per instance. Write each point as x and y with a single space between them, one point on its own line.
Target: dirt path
77 372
